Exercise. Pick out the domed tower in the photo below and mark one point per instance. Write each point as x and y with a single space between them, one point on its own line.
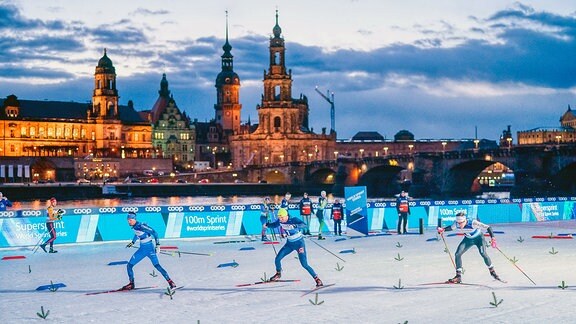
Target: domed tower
227 85
105 96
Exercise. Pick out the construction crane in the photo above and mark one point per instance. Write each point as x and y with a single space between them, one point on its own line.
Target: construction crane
330 98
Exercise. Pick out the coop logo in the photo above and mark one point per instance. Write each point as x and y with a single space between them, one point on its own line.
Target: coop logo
31 213
237 207
82 211
562 198
425 203
292 206
539 199
480 201
440 203
196 208
516 200
7 214
379 204
255 207
219 208
551 199
175 208
152 209
132 209
528 200
107 210
452 202
505 201
466 202
492 201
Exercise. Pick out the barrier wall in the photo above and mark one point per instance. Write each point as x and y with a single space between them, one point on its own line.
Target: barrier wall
27 227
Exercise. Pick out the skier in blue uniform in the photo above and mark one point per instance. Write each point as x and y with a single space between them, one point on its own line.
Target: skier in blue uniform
145 234
294 242
4 202
473 235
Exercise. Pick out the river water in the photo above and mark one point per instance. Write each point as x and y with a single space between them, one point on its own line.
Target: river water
151 201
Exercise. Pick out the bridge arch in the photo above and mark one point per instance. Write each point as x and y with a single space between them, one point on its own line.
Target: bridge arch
275 176
382 180
323 176
460 178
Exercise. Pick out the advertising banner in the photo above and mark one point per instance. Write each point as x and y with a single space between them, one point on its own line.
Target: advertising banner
356 210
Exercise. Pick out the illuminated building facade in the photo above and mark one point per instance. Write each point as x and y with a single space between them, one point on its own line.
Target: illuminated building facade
282 134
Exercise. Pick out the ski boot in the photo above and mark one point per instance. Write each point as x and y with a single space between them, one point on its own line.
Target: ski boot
275 277
494 275
43 247
129 286
318 282
456 280
320 237
265 239
52 250
171 283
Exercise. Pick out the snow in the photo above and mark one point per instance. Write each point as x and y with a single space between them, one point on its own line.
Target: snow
364 290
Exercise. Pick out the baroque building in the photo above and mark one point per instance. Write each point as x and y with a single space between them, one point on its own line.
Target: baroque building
173 135
33 131
102 128
283 133
565 133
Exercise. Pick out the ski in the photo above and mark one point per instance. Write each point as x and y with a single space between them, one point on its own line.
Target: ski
454 284
267 282
316 289
118 290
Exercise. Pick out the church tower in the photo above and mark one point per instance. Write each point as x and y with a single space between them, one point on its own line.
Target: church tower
283 134
105 96
228 105
278 111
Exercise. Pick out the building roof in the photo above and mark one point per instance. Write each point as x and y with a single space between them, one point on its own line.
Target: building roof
367 136
43 109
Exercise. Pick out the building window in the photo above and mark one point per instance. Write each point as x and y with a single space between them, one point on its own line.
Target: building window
93 136
23 131
32 131
58 132
42 132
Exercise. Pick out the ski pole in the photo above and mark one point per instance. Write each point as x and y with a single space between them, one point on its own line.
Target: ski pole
325 249
517 267
272 242
185 252
447 249
35 248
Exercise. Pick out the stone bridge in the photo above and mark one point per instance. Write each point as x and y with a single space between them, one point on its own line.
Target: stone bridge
538 171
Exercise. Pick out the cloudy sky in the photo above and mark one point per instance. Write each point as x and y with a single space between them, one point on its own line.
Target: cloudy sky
441 69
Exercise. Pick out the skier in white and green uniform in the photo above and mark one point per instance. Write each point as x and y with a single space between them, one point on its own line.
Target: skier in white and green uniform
473 235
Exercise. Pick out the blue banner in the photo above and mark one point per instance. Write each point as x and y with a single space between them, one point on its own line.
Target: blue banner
356 209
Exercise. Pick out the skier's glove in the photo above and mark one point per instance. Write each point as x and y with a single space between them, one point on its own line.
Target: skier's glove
158 248
440 230
129 244
493 243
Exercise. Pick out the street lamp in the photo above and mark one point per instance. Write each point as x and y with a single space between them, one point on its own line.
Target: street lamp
385 150
509 140
444 146
361 153
335 155
410 147
558 138
476 142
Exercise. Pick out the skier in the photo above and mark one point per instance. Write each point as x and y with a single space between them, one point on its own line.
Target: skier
144 233
4 202
306 212
337 215
265 211
52 214
473 235
294 242
322 202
